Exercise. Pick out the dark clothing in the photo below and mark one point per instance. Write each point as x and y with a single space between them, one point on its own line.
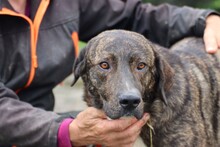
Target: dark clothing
37 53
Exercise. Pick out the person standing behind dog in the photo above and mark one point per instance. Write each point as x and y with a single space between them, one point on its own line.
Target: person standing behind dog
38 44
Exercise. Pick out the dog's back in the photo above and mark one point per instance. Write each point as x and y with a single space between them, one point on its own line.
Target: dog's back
192 116
204 73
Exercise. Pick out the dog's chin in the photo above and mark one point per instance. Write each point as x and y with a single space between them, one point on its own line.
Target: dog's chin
134 113
123 113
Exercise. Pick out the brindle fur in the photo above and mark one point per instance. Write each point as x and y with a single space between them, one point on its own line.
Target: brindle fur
179 88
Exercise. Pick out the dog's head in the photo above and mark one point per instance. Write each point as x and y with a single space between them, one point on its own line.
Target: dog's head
121 73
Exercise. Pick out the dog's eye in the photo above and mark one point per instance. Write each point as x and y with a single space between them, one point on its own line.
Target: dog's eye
104 65
141 65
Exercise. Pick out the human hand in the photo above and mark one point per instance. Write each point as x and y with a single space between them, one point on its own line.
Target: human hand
212 33
92 127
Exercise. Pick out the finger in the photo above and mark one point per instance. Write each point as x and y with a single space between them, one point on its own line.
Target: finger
119 124
136 127
121 139
133 124
120 145
140 123
92 113
211 44
218 40
131 133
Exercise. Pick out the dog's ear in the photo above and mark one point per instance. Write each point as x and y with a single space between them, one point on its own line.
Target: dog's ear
79 65
165 76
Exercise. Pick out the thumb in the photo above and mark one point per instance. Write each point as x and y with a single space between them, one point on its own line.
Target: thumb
96 113
210 41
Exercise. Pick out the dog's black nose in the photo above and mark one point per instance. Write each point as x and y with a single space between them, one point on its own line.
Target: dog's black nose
129 101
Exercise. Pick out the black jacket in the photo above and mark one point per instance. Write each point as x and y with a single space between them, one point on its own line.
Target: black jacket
37 53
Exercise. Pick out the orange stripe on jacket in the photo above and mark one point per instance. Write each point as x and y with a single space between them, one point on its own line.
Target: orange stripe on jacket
34 27
75 39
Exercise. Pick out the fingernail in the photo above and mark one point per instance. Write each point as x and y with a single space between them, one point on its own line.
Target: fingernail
146 117
211 50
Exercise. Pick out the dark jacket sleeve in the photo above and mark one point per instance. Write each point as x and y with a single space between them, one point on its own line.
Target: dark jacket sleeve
164 24
23 125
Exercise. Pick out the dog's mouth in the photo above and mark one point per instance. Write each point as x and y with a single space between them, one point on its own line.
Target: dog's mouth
116 115
136 113
116 112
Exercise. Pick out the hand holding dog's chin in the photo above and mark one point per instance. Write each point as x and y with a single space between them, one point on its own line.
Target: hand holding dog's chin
92 127
212 33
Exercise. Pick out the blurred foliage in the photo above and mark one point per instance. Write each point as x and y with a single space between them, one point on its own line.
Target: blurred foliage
208 4
82 44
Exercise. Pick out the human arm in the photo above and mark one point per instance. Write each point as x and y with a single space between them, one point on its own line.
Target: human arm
23 125
164 24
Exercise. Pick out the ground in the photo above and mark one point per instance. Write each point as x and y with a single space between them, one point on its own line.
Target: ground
69 98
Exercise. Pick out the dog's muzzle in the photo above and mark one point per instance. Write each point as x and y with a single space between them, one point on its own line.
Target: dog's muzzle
129 102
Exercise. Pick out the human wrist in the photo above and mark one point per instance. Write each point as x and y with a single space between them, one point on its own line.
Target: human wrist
74 134
63 139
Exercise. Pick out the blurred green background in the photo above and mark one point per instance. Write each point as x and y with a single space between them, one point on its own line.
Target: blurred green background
208 4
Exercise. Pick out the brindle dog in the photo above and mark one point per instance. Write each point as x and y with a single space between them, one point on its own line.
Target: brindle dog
126 75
